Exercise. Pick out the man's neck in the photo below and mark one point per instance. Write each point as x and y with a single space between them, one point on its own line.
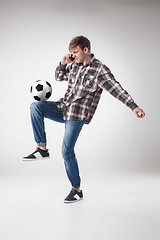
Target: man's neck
87 59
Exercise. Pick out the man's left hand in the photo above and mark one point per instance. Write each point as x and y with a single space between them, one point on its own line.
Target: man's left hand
139 112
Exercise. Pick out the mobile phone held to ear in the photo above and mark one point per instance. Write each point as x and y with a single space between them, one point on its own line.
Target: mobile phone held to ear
72 58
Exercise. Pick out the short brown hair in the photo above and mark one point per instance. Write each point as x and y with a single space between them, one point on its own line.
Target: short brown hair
80 41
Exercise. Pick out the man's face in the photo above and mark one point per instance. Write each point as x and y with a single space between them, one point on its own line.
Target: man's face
79 54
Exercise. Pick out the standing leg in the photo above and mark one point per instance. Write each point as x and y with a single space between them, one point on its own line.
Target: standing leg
72 130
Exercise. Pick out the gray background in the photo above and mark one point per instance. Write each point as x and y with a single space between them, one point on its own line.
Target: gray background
118 153
125 36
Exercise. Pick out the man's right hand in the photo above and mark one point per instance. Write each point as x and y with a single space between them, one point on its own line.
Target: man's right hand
66 59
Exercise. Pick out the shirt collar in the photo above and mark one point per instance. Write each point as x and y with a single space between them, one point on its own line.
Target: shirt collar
90 61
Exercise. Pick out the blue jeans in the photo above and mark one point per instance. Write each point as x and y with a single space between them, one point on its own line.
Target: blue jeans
48 109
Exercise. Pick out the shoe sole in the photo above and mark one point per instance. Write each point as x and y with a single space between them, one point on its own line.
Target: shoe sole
65 201
34 159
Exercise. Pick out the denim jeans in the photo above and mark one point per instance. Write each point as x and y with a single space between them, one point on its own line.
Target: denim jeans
48 109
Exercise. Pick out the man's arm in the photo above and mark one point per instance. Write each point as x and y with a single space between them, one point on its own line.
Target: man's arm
62 71
107 81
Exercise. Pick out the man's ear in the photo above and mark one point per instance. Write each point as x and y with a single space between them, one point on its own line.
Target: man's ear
85 49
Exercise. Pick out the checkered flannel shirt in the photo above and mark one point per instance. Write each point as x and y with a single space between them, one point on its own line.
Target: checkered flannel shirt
85 86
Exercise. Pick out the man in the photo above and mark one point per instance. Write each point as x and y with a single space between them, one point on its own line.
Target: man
87 77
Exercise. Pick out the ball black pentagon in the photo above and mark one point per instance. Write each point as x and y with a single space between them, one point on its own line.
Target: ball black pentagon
48 94
37 98
31 89
39 87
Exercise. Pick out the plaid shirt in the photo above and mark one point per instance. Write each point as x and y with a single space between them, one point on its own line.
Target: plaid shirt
85 86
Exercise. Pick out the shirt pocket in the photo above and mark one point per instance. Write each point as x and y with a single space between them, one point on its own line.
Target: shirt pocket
89 81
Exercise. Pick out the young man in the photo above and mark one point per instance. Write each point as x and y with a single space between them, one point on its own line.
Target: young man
87 77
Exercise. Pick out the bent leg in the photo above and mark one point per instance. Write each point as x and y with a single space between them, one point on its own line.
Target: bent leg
72 130
38 111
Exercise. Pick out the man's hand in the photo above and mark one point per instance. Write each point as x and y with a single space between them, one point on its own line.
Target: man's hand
139 112
66 59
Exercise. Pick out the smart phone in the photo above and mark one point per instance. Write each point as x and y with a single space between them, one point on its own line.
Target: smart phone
72 58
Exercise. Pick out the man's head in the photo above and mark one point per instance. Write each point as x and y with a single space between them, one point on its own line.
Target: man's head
80 47
80 41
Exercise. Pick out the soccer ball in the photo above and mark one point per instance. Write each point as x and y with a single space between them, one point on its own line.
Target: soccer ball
41 90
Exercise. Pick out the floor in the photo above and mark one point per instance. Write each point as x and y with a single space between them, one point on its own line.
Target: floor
115 207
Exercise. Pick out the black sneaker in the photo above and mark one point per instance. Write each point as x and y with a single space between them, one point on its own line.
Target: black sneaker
74 196
39 154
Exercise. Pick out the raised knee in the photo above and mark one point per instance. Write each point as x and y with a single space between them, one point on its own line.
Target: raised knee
34 106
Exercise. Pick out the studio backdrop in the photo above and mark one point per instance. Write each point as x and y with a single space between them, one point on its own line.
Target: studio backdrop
124 35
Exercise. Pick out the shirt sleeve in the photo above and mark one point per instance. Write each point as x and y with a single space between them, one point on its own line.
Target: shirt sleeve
62 72
107 82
